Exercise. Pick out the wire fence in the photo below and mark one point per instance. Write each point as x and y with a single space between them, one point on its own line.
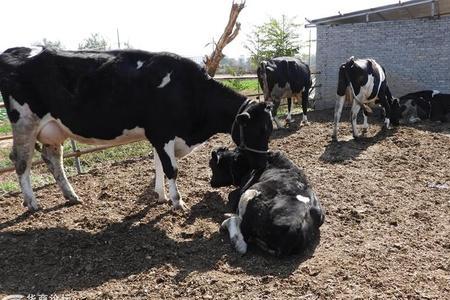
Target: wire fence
76 153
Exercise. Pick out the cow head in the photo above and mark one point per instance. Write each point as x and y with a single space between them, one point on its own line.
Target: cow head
395 111
227 167
251 132
265 75
410 112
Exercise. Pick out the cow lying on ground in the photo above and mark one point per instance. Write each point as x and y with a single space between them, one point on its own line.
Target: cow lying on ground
275 206
114 97
364 82
285 77
428 104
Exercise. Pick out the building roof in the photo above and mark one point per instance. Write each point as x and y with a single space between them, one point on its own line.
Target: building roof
413 9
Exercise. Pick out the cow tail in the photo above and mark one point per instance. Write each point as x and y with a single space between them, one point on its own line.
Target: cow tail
310 83
265 84
343 88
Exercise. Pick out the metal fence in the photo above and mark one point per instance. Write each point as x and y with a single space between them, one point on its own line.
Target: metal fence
76 153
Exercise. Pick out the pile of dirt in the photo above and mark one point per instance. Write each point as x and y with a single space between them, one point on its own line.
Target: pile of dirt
386 233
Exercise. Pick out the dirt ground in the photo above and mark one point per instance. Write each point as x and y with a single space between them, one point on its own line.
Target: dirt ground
386 233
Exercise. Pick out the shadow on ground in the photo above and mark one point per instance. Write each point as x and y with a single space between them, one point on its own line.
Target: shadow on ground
342 151
51 260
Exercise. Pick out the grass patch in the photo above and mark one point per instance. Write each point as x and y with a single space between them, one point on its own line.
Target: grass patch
3 116
115 154
9 186
5 128
5 162
244 86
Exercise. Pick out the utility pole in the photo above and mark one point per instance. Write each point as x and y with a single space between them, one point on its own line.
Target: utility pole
309 50
118 39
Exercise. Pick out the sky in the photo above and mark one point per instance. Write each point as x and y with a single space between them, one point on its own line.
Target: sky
180 26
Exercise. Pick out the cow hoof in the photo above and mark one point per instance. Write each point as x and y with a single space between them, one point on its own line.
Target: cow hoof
73 199
32 207
162 200
180 206
305 123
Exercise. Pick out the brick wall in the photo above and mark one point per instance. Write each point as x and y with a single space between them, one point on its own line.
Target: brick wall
415 54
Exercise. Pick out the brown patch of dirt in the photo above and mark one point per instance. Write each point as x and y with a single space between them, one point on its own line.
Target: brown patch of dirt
386 234
6 144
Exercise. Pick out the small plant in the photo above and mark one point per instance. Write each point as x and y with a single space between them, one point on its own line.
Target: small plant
8 186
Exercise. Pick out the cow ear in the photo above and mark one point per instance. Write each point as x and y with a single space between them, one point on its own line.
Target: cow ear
243 118
215 155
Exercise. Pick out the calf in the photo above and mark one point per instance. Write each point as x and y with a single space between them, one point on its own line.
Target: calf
364 82
428 104
276 207
283 77
114 97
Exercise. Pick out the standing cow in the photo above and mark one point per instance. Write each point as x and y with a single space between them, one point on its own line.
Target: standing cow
114 97
285 77
364 82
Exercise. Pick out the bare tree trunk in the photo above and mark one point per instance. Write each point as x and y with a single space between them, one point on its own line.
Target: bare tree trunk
230 32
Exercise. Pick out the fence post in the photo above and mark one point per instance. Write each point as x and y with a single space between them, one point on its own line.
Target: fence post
77 159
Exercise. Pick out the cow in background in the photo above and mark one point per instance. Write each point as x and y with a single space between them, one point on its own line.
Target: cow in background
285 77
364 82
115 97
275 207
422 105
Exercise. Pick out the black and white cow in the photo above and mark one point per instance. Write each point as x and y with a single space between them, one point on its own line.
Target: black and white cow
285 77
275 206
364 81
115 97
427 104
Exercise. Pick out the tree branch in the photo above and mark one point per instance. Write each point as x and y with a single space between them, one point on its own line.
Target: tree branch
231 31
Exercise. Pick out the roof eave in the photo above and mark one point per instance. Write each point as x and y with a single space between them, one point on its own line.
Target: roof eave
329 20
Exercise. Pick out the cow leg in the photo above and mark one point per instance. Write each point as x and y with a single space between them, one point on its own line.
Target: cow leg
159 178
276 104
233 224
52 156
355 110
337 115
24 138
288 117
387 110
305 107
21 156
169 165
365 124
